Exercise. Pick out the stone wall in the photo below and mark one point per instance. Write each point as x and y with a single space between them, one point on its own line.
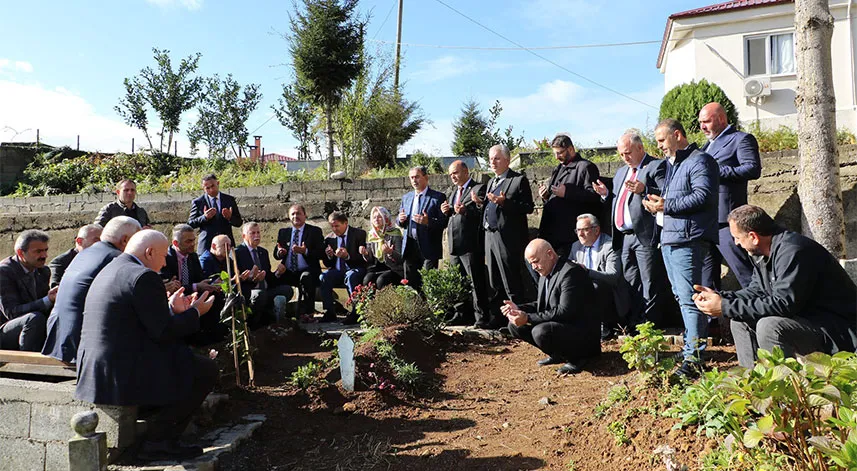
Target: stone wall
62 215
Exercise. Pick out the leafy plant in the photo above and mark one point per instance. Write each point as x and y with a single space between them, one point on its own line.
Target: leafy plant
443 288
394 305
684 101
360 298
617 429
307 375
616 395
647 352
703 404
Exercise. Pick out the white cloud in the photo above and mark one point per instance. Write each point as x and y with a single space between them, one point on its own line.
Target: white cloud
22 66
560 14
434 139
447 67
188 4
7 66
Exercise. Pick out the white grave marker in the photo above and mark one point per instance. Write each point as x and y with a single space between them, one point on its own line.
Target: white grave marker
346 361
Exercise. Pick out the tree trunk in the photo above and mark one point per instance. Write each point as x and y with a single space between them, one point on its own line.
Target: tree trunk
818 188
331 162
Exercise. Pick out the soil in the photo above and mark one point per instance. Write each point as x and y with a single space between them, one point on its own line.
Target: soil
480 408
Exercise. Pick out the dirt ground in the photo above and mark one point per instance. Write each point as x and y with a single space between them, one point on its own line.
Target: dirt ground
479 410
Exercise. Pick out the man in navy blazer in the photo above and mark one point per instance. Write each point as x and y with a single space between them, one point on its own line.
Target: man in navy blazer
737 155
132 350
345 265
423 223
213 213
66 318
259 284
636 234
300 249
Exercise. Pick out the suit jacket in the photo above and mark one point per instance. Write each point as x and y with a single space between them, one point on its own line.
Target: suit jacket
16 295
800 278
429 236
59 265
690 198
563 297
312 237
132 350
512 216
245 262
211 265
737 155
171 269
66 317
607 269
355 237
580 198
464 231
111 210
395 259
217 225
651 173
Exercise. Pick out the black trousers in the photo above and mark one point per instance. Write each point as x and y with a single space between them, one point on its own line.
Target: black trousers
558 340
644 270
413 261
472 265
381 275
306 282
736 258
506 274
211 330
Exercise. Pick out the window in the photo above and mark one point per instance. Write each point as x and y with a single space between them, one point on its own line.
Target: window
770 55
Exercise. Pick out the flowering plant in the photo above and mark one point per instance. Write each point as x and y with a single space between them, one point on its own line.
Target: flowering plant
361 297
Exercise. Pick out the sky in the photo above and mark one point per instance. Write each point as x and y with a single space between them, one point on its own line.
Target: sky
62 64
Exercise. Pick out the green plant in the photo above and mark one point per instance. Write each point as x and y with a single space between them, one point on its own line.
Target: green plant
647 352
443 288
618 430
432 163
703 404
616 395
394 305
684 101
360 298
307 375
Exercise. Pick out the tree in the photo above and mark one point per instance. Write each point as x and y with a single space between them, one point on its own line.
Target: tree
393 122
684 101
326 46
818 185
166 91
469 131
493 135
224 109
295 112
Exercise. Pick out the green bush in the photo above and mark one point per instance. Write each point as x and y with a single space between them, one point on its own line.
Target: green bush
394 305
648 352
443 288
307 375
684 101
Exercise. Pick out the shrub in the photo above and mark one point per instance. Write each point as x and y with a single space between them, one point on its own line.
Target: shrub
684 101
616 395
394 305
307 375
433 164
360 298
647 352
443 288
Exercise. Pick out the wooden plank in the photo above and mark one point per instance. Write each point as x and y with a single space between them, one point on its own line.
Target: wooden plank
28 358
39 370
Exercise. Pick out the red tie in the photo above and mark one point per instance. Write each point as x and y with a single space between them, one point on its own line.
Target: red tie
623 200
458 196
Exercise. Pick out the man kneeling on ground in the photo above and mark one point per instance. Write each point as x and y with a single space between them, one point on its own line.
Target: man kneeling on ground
132 350
800 298
559 323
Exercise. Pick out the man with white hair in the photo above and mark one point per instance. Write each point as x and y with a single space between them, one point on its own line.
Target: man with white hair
66 317
132 350
86 236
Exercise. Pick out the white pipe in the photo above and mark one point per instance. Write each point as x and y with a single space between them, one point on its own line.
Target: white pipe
851 46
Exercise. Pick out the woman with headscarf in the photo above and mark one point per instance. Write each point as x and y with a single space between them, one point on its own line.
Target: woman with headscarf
383 250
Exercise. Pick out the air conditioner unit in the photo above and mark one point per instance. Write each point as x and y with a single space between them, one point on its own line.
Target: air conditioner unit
757 86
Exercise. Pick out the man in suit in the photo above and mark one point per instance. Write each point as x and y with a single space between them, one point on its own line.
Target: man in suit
423 223
182 265
800 299
593 250
737 156
466 243
300 249
132 351
259 283
345 265
126 193
25 295
86 236
559 323
213 213
508 201
567 194
215 260
688 205
66 317
636 234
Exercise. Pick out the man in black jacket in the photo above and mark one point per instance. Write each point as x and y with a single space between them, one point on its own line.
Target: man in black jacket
560 323
800 298
86 236
345 265
126 193
259 283
213 213
300 249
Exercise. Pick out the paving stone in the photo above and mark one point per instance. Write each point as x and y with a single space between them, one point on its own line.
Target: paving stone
18 454
15 419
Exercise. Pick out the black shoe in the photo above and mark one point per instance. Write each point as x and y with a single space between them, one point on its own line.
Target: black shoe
607 332
458 319
549 361
167 451
481 325
328 317
569 369
497 323
351 319
689 370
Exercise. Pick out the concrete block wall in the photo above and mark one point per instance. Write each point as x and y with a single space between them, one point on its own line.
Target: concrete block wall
35 424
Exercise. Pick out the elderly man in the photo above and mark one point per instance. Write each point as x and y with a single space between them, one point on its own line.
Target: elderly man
559 323
636 234
508 201
126 193
737 156
66 318
213 213
689 208
594 251
132 352
300 249
568 194
423 223
86 236
465 241
25 295
259 283
345 265
215 260
800 298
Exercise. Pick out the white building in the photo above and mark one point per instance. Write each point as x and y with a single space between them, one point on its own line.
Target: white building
747 48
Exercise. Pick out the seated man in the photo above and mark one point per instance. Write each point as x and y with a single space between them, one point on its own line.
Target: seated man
214 261
800 298
259 284
345 265
86 236
594 251
182 265
559 323
25 296
301 248
131 348
66 317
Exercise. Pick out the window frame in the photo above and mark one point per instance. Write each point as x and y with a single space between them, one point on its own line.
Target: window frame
768 58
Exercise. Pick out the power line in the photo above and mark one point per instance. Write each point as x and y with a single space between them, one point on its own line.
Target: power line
260 126
531 51
538 48
384 22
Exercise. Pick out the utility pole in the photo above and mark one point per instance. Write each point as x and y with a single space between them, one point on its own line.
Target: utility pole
398 47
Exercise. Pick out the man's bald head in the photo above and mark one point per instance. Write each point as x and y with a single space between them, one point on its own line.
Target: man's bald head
712 120
541 255
458 173
150 246
220 246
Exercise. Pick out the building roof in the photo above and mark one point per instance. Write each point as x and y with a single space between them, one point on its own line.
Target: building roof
272 157
710 10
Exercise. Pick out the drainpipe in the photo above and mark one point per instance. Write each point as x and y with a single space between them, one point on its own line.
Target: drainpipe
851 48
